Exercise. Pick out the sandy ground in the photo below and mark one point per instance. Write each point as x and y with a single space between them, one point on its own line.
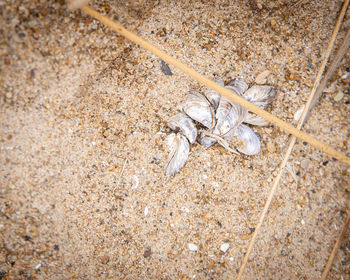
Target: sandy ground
82 150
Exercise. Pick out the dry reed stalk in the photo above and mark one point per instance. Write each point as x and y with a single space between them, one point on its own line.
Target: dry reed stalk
335 248
308 104
332 67
211 84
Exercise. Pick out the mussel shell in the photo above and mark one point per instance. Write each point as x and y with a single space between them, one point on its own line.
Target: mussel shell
229 115
179 151
237 85
260 95
184 123
198 108
249 137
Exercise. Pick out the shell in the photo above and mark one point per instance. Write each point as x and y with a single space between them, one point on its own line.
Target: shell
229 115
251 139
205 140
212 95
179 151
184 123
198 108
238 85
260 95
255 120
208 139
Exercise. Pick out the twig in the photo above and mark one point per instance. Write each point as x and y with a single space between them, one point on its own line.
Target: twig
293 139
335 248
223 91
331 69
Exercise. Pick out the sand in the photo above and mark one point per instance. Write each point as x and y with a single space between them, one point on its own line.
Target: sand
82 144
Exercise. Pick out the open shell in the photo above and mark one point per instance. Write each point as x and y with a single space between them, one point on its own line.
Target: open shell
198 108
249 137
260 95
179 151
184 123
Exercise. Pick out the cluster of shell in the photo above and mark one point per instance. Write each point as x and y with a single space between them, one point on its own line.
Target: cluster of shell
219 121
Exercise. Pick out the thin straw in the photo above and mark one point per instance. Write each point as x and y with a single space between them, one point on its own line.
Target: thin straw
332 67
293 139
335 248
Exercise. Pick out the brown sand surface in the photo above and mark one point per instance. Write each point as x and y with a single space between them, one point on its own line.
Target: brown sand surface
83 117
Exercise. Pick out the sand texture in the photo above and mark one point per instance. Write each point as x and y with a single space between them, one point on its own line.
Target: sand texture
83 116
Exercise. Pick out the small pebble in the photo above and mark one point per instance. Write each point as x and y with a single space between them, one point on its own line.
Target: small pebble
345 75
262 77
305 163
147 253
146 211
339 96
32 73
105 259
224 247
302 222
309 63
9 95
192 247
165 68
38 266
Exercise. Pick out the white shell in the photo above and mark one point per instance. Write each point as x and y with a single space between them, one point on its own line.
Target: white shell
260 95
212 95
179 151
198 108
184 123
252 142
255 120
238 85
229 115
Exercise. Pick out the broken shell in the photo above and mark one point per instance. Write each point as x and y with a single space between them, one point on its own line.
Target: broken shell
179 151
185 124
198 108
251 140
212 95
260 95
255 120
